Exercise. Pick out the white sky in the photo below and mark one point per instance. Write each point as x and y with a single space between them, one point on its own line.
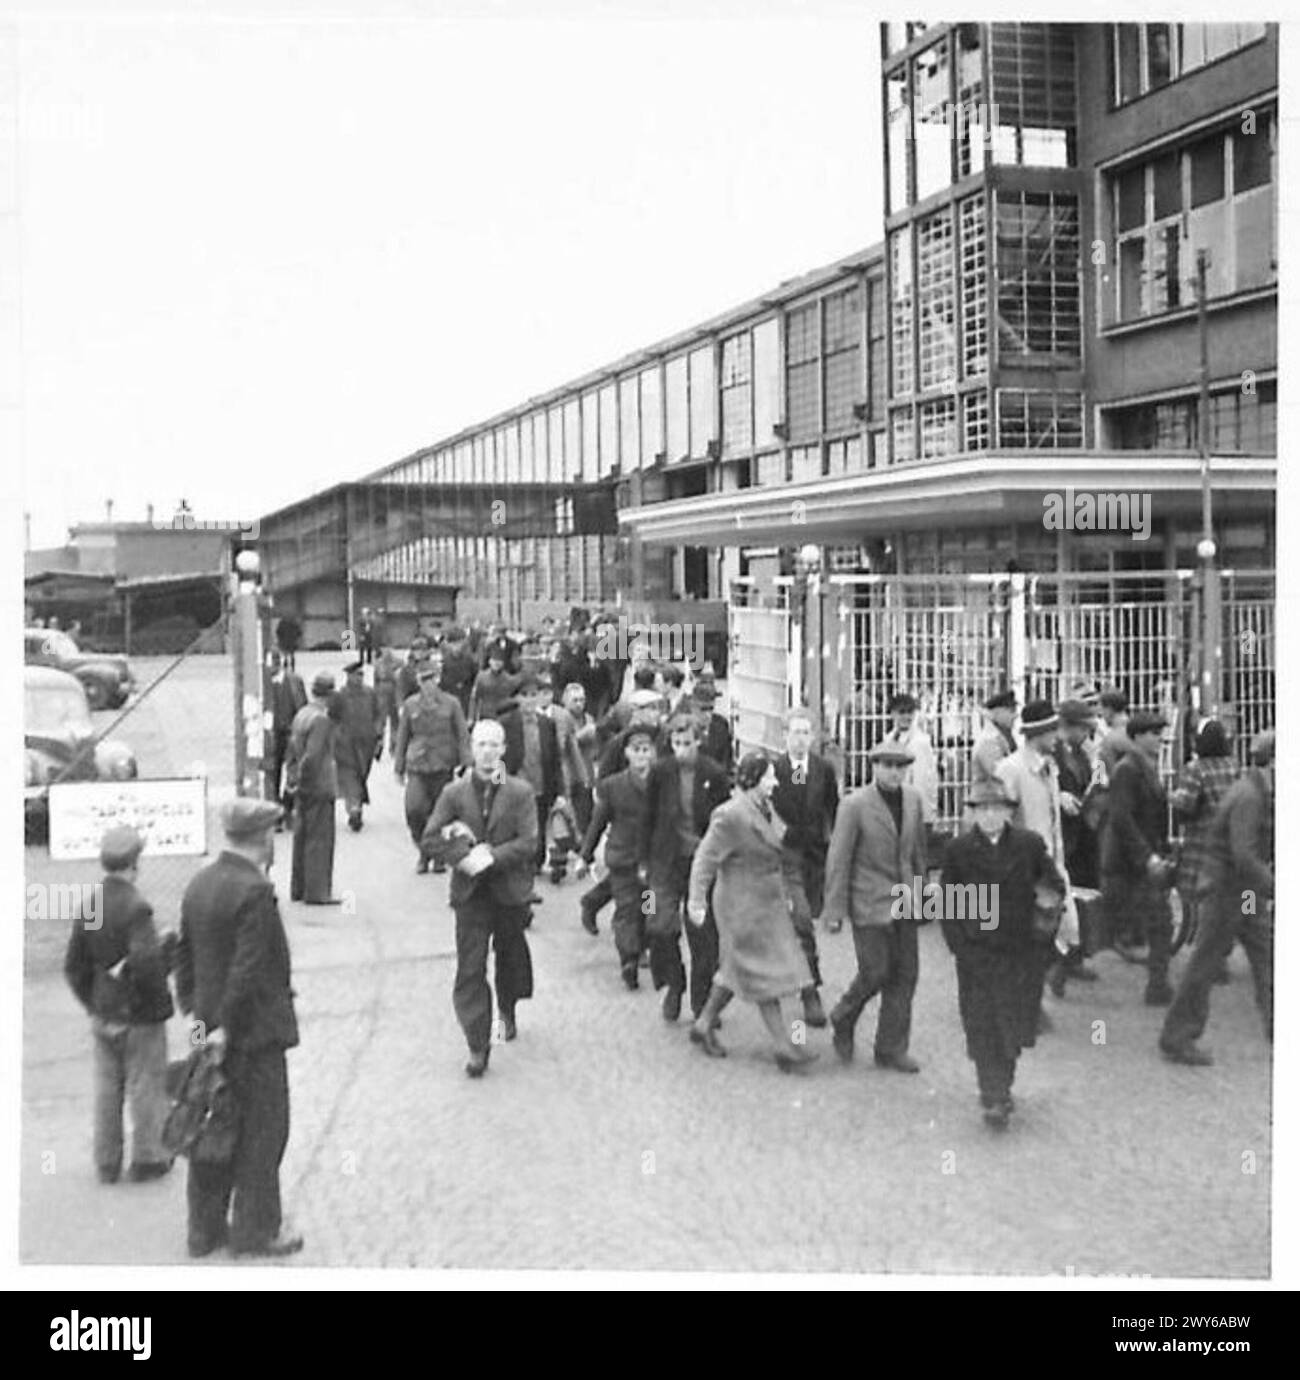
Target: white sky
256 258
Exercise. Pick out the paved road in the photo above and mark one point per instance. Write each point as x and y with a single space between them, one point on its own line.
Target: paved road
602 1139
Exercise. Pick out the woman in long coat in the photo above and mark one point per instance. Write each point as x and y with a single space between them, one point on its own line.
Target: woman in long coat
740 860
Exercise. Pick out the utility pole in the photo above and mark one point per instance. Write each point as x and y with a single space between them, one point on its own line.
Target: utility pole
1211 658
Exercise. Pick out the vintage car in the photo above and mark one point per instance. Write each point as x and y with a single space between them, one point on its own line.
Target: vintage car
59 737
107 678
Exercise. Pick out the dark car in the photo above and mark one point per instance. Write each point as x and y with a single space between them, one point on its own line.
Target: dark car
107 678
59 737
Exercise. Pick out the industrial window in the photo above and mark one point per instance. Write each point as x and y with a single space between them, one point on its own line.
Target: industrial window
898 124
737 395
769 468
938 428
932 126
540 460
802 378
768 409
572 441
629 425
975 420
477 467
1215 194
903 439
590 436
1031 419
843 326
1038 274
513 472
1031 70
974 289
704 400
652 440
900 262
936 296
877 382
556 469
1243 423
1145 57
679 414
805 463
972 112
608 429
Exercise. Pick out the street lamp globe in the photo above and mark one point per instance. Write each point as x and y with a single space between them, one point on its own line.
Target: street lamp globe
1206 549
247 563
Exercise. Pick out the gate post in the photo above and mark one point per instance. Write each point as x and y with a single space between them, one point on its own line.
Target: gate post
1017 637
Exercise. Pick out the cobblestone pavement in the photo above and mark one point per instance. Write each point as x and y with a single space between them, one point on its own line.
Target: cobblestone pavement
601 1139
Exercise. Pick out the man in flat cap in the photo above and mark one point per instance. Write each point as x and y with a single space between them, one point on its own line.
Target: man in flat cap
908 734
313 778
1136 869
432 743
1001 895
233 980
1239 853
996 739
117 969
358 733
877 860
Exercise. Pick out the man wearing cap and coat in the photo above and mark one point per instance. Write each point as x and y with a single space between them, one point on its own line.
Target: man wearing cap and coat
996 740
877 859
233 980
313 778
432 743
358 738
1000 896
288 695
924 771
1079 779
117 969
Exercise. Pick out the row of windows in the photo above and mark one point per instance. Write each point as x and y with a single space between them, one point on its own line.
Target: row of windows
1027 419
1213 194
676 412
1145 57
1245 423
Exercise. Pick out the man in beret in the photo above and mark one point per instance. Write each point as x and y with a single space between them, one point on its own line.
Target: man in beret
432 743
117 969
233 980
313 777
877 855
1001 895
1136 869
358 736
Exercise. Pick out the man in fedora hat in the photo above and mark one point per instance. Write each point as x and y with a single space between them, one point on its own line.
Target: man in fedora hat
877 854
313 778
1136 869
999 947
359 731
117 969
233 979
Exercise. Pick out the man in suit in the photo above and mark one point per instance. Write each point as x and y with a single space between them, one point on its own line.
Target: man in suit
484 827
117 969
715 731
432 741
806 799
359 731
683 791
877 857
288 695
313 778
233 979
1136 869
532 749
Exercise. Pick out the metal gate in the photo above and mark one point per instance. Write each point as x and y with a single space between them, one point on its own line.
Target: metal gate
762 666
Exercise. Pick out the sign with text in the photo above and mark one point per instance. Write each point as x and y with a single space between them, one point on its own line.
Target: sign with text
171 813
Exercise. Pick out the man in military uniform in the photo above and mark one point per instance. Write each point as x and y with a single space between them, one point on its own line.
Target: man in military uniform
313 778
233 979
432 741
359 732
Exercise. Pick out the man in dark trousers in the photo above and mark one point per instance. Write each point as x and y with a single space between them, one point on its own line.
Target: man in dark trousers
359 732
1076 772
806 799
532 750
233 979
1239 852
432 741
1136 869
1002 895
621 807
288 635
683 791
117 969
877 847
458 667
288 695
484 827
313 779
367 638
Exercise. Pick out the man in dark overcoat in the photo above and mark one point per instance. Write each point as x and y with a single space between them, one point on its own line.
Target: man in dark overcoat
484 827
288 695
532 748
313 778
358 732
233 980
1001 898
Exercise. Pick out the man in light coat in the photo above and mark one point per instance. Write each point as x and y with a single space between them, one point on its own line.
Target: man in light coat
876 864
911 737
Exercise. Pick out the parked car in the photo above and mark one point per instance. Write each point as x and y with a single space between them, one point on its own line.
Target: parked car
59 737
108 679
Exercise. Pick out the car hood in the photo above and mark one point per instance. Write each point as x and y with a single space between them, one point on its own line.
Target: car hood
60 749
91 660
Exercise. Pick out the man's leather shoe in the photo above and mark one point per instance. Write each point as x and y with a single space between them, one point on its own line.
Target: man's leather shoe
998 1116
149 1169
1187 1054
813 1015
707 1041
478 1062
900 1063
509 1030
796 1057
1159 994
588 918
842 1041
198 1249
672 1007
277 1246
421 866
631 979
